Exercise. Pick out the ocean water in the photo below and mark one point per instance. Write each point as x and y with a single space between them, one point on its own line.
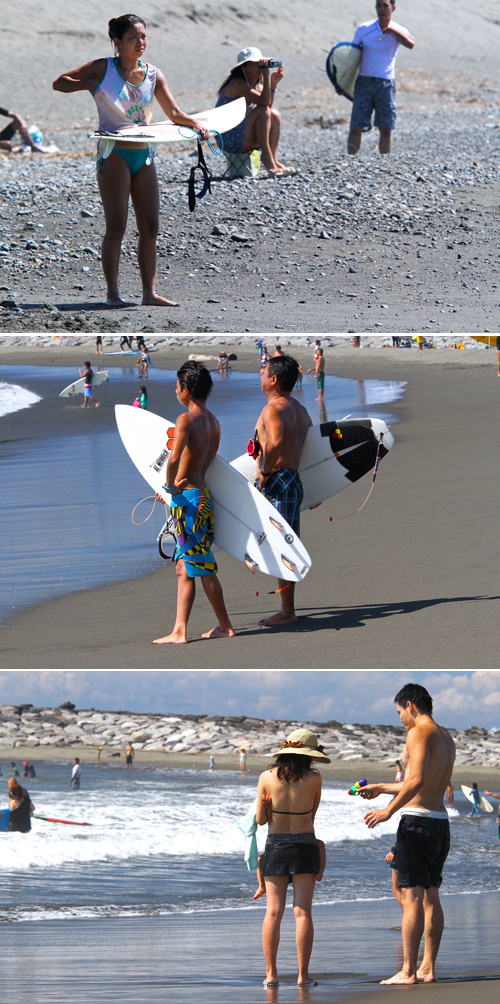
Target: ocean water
165 841
68 497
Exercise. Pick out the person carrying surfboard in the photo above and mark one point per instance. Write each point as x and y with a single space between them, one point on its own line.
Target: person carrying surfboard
281 432
196 442
423 837
88 375
375 88
124 89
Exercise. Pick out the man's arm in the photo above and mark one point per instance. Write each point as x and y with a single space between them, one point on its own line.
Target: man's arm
180 439
418 748
402 36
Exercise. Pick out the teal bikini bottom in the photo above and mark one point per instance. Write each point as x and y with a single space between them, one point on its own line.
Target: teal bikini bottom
134 159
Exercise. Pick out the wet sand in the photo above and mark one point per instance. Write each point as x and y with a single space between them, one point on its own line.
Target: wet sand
217 957
410 582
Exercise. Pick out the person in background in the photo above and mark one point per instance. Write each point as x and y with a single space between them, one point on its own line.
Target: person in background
32 770
14 771
319 372
498 354
450 794
243 759
494 794
375 88
129 756
26 771
211 762
20 806
17 124
142 400
98 344
75 775
399 772
87 374
475 804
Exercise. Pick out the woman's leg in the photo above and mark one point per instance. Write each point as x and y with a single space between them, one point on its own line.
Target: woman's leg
303 892
257 134
114 187
276 887
146 202
274 138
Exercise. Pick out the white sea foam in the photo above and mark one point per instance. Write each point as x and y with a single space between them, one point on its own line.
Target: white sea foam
15 398
158 823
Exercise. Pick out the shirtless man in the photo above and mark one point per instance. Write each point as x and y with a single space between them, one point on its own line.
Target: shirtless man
423 837
319 371
196 441
281 431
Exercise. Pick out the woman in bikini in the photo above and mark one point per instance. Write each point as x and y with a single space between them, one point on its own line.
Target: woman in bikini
251 78
124 89
288 798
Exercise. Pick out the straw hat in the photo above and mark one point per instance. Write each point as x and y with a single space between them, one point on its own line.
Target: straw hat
305 743
248 55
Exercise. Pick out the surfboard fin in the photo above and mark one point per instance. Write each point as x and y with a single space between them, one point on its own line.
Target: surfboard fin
251 564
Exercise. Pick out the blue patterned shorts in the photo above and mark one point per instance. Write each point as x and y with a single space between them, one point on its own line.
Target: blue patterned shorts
374 94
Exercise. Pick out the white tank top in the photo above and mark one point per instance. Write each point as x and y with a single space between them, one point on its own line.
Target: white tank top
121 103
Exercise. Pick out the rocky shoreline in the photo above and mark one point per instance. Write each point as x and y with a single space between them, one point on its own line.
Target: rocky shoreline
66 727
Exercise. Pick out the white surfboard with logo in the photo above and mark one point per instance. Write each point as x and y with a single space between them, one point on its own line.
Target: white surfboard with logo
78 386
246 525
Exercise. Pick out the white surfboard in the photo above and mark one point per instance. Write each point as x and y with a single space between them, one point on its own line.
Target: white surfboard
342 67
334 456
482 803
216 120
247 526
78 386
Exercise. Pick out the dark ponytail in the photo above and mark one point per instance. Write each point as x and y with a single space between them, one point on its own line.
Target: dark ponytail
119 25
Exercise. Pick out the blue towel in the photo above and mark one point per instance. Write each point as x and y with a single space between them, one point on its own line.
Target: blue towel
248 826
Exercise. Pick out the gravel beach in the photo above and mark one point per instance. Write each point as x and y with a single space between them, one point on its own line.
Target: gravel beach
402 244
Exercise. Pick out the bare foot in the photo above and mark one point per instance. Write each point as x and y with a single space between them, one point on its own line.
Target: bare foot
97 404
261 891
308 983
171 639
271 981
278 619
153 300
217 632
425 976
399 979
115 301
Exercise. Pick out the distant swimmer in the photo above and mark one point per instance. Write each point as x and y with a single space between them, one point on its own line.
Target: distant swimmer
129 756
196 441
281 431
76 774
14 771
88 375
21 807
423 837
375 89
124 89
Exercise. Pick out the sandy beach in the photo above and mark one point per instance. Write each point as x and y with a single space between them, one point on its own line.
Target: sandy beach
411 582
405 244
356 945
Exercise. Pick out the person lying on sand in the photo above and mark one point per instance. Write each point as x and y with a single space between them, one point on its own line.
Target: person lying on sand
18 125
196 441
124 89
252 79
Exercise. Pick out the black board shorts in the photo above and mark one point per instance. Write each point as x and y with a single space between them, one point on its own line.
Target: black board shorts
290 854
422 846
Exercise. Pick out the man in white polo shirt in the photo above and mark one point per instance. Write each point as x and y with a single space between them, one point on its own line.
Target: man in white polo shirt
375 87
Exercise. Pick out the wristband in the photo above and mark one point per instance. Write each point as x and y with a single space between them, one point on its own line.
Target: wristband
169 490
264 475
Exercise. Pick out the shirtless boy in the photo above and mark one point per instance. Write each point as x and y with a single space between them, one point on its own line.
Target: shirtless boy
423 837
196 441
281 431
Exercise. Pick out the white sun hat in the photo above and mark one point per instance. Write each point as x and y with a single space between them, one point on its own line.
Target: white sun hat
248 55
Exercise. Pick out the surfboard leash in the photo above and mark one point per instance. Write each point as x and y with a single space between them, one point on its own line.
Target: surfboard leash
375 472
206 173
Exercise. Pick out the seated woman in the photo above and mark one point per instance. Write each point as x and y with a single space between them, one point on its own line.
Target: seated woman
252 79
288 798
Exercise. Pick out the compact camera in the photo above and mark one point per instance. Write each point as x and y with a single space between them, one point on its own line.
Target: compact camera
271 64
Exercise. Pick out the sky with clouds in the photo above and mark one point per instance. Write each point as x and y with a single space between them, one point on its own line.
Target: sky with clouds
461 699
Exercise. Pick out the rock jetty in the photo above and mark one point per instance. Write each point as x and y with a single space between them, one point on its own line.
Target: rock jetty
66 727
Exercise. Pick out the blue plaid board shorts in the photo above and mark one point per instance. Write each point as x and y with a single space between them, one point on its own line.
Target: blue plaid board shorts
285 492
374 94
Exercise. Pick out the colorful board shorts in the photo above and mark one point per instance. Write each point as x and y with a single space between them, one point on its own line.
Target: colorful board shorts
422 846
285 492
374 94
193 517
290 854
87 390
320 380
